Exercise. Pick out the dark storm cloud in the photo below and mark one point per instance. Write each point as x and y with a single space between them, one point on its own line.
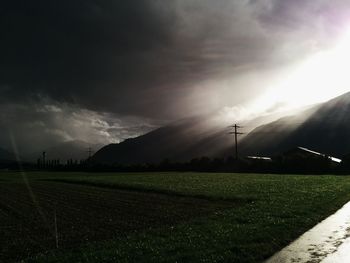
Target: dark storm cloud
78 51
129 57
151 59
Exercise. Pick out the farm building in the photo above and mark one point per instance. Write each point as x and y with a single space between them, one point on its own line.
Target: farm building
307 154
346 162
259 159
301 159
259 163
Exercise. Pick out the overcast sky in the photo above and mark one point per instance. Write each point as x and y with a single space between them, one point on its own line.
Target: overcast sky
102 71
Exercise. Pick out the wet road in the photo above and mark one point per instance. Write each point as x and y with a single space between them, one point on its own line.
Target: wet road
327 242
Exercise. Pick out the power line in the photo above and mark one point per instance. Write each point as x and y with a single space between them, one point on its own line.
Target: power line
236 133
44 159
90 152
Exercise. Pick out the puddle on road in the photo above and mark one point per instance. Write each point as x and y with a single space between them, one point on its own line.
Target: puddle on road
329 241
341 255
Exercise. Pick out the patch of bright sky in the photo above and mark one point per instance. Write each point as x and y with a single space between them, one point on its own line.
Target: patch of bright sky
318 78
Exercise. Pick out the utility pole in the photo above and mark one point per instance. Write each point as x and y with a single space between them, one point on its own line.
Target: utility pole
44 159
236 133
90 152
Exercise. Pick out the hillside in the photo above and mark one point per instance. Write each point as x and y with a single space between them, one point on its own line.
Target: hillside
324 128
180 141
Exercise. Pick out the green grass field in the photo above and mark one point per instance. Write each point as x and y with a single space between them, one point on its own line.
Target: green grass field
164 217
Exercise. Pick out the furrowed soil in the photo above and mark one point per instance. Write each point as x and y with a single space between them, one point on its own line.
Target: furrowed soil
82 213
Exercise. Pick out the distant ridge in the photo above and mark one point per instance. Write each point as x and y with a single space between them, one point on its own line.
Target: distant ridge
324 128
179 141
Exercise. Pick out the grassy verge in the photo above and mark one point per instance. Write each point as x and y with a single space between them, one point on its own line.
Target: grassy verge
281 207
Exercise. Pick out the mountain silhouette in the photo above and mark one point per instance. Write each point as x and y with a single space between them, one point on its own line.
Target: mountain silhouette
176 141
179 141
323 128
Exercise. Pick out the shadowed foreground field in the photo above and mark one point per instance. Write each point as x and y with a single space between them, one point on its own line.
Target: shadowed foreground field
84 213
160 217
